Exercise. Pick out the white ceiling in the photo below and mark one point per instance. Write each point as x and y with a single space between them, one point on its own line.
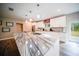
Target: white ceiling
45 10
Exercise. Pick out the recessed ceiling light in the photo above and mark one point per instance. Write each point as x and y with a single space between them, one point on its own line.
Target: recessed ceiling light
38 16
58 10
30 19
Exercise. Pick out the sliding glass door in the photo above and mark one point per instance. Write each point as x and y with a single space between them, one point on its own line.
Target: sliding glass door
75 31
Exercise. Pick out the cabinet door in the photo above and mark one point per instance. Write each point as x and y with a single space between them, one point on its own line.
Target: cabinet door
58 22
40 24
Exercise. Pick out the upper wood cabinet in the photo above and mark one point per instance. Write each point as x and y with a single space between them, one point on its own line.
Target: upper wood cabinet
58 22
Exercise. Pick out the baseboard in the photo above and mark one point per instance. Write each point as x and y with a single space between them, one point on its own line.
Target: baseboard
6 38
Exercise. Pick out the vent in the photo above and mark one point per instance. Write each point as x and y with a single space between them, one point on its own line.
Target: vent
11 9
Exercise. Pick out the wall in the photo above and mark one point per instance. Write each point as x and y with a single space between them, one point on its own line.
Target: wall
27 26
12 29
74 17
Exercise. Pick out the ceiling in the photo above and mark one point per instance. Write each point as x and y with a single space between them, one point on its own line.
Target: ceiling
34 12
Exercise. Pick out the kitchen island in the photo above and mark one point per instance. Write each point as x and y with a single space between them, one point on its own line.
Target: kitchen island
38 44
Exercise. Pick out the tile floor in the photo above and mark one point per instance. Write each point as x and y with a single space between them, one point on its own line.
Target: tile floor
69 48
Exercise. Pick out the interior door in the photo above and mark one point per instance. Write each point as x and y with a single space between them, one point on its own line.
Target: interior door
19 27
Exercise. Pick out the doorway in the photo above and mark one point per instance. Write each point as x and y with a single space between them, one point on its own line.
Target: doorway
19 27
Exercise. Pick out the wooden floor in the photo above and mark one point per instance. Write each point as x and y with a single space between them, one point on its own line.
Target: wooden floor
8 48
